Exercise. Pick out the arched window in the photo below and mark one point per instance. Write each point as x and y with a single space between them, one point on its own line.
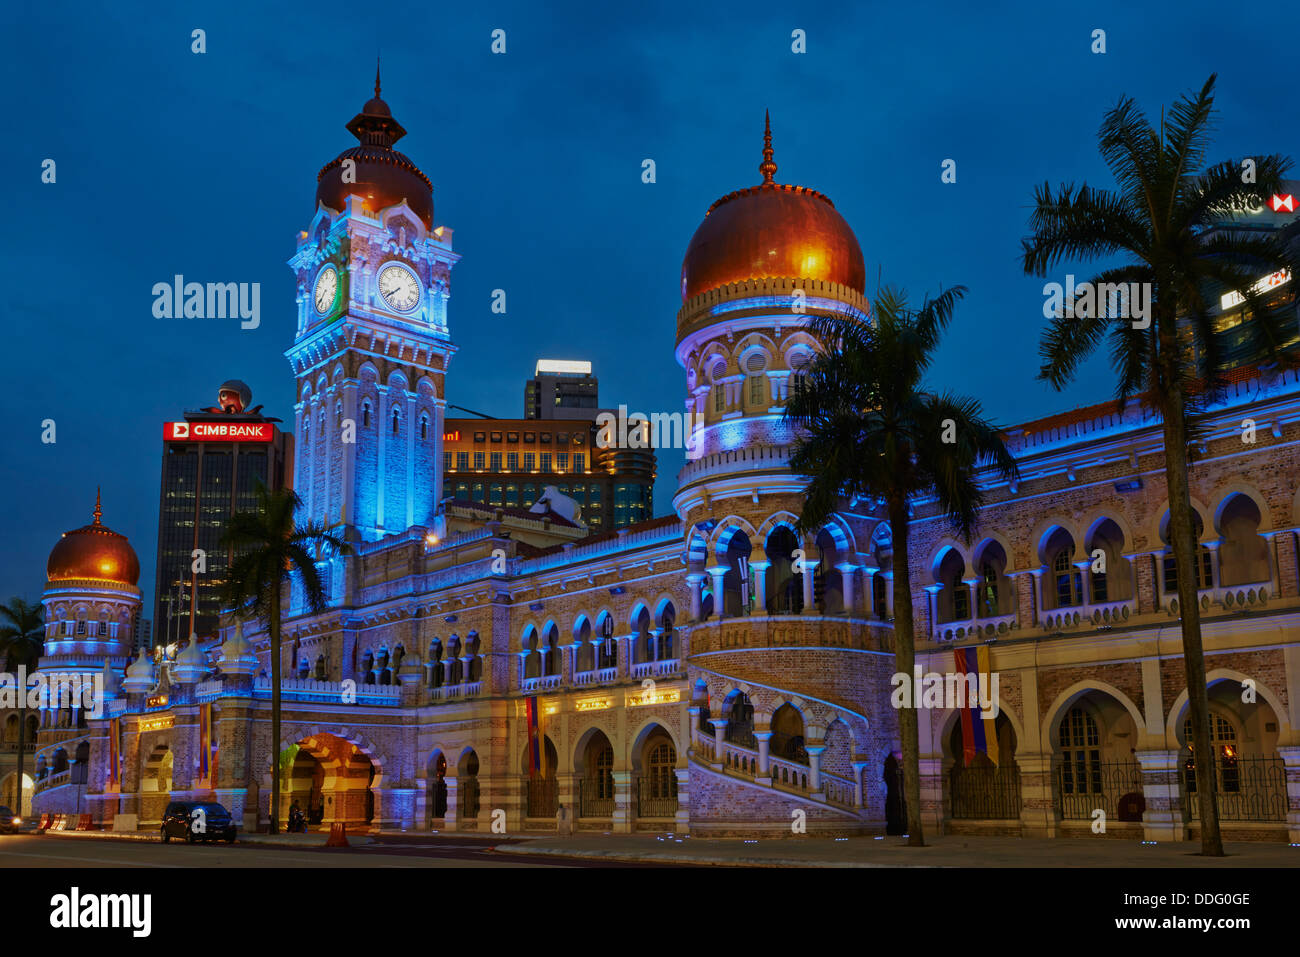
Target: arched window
338 413
1080 753
719 398
740 722
396 421
1067 580
988 589
960 597
424 427
661 774
1223 742
321 673
365 415
1204 573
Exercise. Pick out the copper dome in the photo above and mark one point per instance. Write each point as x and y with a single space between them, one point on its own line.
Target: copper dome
772 231
383 176
94 552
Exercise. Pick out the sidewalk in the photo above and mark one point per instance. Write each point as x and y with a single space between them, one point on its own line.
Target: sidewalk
1000 852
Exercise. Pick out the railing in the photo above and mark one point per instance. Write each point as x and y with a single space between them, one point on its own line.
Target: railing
976 628
543 797
466 689
1096 613
1082 785
52 781
590 801
541 683
657 796
467 798
991 793
1247 788
657 669
309 689
1230 597
742 735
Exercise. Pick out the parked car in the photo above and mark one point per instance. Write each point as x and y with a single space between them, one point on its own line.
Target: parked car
9 821
197 821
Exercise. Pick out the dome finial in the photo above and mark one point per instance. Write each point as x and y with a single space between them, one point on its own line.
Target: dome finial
767 167
376 76
99 511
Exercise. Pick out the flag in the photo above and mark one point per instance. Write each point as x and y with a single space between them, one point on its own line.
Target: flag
977 733
534 738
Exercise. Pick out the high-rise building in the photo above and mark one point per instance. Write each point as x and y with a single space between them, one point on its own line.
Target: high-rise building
510 462
561 389
212 463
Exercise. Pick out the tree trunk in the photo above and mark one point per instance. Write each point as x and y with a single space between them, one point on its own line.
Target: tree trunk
22 750
275 709
1182 535
904 659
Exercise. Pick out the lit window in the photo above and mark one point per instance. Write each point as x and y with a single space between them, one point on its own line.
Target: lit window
496 462
1080 754
756 392
512 461
719 398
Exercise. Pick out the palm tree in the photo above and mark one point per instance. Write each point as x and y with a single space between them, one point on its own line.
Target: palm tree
22 636
1167 220
270 548
870 431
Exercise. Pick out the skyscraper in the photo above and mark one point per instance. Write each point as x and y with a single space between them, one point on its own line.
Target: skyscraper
561 389
212 463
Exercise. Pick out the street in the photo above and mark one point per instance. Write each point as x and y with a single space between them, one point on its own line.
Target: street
31 850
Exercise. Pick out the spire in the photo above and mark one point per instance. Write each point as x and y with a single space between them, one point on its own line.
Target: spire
99 511
376 77
767 167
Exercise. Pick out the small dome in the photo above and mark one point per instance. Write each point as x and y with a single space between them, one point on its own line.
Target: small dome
94 552
772 231
382 175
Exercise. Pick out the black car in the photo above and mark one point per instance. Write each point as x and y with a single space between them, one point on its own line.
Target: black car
9 821
197 821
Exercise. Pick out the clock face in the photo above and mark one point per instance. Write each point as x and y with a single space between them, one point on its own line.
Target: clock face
327 287
399 287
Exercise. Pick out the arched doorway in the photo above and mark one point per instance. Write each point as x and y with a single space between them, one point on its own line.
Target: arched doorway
436 783
155 785
595 764
655 767
542 787
331 779
9 799
467 789
980 789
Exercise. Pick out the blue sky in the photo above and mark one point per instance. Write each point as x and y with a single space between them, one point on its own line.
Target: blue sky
170 162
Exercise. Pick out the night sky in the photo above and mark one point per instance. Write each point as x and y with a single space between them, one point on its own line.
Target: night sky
205 165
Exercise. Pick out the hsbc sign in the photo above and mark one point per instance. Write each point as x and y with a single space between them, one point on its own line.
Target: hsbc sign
218 432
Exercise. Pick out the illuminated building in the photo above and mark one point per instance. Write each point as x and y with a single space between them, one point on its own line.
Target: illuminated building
715 672
509 462
212 463
561 389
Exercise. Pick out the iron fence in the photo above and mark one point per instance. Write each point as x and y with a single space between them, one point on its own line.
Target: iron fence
656 796
1082 784
596 797
1248 788
467 797
985 793
543 797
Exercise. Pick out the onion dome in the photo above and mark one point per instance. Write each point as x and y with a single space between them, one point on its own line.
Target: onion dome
191 664
237 657
772 231
94 552
383 176
139 674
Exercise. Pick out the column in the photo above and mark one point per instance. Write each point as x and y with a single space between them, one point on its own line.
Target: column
1276 587
1038 815
622 818
846 570
869 591
654 643
815 768
719 605
382 429
348 511
764 763
859 799
1214 565
809 608
1085 581
523 667
1158 560
1163 818
719 732
623 645
972 596
1038 594
450 821
760 584
695 582
889 593
412 427
932 609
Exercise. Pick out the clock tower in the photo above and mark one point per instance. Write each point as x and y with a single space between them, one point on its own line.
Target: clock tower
372 345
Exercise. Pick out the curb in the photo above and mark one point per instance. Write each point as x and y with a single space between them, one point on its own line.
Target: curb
669 858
